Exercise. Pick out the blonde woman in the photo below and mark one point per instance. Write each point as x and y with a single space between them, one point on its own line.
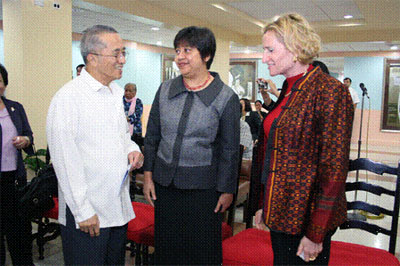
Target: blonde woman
305 144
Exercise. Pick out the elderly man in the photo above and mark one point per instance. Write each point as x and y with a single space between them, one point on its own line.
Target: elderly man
91 148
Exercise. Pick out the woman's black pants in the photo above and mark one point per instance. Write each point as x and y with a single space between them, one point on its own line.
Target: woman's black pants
14 229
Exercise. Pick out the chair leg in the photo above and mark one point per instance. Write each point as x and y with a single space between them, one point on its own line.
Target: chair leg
145 253
39 238
245 209
138 254
131 247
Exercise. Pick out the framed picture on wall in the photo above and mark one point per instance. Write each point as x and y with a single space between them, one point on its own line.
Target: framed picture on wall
391 97
242 78
169 69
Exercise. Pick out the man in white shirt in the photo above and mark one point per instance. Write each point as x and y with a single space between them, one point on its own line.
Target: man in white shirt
353 93
90 145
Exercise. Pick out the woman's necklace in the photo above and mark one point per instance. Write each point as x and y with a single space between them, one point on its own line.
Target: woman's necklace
197 87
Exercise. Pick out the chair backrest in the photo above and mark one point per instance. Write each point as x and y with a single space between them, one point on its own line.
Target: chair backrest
380 169
232 208
256 188
245 171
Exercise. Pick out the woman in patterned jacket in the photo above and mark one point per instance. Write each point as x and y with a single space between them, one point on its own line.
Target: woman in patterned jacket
305 143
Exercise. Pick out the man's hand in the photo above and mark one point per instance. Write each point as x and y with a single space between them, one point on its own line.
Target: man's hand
136 159
310 249
224 202
148 188
91 226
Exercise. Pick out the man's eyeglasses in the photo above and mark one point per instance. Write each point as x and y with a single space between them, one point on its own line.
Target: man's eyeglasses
116 55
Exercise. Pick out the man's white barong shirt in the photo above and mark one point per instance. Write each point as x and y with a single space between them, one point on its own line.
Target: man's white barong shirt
89 142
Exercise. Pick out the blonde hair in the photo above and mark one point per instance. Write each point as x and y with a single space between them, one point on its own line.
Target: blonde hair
299 37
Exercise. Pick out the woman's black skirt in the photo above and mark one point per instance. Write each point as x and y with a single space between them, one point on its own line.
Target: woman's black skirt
187 231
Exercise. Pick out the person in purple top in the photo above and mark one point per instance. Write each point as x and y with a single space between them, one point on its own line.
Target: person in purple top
15 136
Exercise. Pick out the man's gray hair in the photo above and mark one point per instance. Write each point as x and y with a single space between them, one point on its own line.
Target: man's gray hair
91 42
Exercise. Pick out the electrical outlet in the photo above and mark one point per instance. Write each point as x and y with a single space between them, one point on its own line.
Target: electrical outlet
56 5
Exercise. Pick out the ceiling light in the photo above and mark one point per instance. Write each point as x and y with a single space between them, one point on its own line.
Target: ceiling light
159 43
350 25
155 28
348 16
394 47
219 7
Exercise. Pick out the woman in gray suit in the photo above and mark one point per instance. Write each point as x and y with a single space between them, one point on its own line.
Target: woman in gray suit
191 155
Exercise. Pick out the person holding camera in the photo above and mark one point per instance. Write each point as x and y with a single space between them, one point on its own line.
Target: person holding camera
15 136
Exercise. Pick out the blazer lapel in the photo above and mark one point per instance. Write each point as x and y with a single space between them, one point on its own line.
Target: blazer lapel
13 115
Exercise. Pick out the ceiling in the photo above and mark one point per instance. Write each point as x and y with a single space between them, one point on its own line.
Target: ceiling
375 25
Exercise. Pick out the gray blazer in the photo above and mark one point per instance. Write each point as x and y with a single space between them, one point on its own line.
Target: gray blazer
192 138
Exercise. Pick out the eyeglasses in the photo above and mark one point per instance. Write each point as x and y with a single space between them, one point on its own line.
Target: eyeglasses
116 55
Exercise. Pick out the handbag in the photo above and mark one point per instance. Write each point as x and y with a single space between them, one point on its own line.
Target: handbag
37 196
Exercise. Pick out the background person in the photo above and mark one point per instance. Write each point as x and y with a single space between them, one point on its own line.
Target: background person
261 114
15 136
353 93
79 69
133 107
90 146
191 155
250 117
305 143
246 140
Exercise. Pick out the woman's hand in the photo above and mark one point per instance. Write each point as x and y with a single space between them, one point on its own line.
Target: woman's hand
21 142
258 220
148 188
310 249
224 202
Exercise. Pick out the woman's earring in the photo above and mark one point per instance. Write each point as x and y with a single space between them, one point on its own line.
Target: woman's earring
295 59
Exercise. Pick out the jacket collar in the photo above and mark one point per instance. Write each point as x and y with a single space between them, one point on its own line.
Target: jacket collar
207 95
10 109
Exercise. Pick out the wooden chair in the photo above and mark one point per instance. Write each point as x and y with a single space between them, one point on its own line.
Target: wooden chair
253 247
140 233
244 187
141 229
343 253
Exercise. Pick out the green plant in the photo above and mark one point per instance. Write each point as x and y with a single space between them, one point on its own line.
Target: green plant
36 163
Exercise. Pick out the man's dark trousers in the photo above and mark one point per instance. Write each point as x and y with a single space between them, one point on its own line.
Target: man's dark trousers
80 248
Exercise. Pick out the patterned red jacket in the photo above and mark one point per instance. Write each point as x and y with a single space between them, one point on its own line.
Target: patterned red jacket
306 159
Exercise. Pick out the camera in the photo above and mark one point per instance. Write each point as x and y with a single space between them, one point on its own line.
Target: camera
262 85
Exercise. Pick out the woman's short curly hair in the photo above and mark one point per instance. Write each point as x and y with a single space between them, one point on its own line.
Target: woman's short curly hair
297 35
